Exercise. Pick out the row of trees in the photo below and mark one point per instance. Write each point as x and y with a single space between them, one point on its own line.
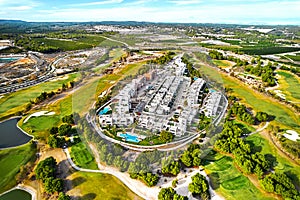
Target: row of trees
47 95
163 59
192 71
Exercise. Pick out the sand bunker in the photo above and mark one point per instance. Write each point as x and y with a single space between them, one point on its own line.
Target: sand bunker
292 135
40 113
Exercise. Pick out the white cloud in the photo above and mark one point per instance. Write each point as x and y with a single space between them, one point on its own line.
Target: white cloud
99 3
20 8
185 2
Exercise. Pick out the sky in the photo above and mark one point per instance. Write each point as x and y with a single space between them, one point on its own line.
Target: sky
267 12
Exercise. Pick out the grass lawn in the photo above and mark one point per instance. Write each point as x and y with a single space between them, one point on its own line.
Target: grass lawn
289 85
16 101
10 162
280 163
82 157
98 186
229 182
284 115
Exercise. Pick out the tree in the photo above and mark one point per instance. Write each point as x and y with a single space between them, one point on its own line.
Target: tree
166 136
199 184
54 130
69 119
64 129
262 116
53 185
46 168
166 193
63 196
170 194
55 141
186 159
172 168
174 182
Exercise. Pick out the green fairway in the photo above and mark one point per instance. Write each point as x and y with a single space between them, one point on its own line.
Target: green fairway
229 182
236 183
98 186
82 157
223 63
10 162
16 101
259 102
280 163
289 85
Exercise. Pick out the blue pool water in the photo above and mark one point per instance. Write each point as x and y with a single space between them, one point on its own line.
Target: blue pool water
195 78
129 138
7 60
211 90
104 111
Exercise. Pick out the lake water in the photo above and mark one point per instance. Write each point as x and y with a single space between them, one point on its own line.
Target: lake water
16 195
10 135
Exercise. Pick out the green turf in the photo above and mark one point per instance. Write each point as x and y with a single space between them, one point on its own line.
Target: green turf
236 183
229 182
82 157
98 186
290 87
280 163
222 63
256 100
16 101
10 162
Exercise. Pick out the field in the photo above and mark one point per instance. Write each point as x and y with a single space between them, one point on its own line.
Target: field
99 187
15 102
82 157
280 162
10 162
256 100
88 41
289 85
229 182
294 57
267 50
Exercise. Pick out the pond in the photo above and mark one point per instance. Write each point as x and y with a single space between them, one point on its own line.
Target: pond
11 135
16 195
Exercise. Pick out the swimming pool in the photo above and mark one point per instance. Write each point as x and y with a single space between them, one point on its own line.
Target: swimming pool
129 138
104 111
212 90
